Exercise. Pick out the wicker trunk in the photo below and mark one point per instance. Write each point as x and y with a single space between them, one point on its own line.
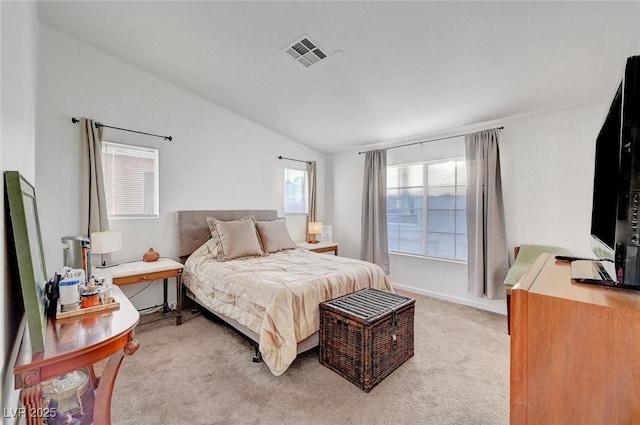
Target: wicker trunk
366 335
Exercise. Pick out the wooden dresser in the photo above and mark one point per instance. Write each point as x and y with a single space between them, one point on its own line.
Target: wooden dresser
575 350
73 343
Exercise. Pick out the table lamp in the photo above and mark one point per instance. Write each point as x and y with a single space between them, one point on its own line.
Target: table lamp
315 228
105 243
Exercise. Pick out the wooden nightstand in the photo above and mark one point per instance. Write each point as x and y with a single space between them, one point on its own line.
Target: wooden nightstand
319 247
143 271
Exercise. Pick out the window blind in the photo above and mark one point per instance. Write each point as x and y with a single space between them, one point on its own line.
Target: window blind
426 209
131 180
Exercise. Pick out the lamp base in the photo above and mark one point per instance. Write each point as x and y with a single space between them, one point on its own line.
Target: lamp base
313 241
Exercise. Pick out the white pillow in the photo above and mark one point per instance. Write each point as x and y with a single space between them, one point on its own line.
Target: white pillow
274 235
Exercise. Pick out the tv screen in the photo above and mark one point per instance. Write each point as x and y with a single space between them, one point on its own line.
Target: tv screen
607 177
615 219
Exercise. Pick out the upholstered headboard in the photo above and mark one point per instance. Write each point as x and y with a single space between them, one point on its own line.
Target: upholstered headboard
193 229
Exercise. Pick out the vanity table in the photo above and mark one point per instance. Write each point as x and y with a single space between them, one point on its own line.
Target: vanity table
73 343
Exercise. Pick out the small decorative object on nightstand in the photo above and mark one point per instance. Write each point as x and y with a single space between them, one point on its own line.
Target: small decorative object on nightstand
150 255
327 233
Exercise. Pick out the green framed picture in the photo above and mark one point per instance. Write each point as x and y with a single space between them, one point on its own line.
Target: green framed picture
24 232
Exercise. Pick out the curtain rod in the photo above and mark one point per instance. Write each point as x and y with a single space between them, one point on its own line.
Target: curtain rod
97 124
430 140
292 159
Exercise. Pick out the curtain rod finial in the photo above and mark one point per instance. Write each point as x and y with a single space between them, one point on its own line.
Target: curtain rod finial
74 120
169 138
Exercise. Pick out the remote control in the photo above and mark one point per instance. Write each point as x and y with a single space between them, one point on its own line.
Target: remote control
569 258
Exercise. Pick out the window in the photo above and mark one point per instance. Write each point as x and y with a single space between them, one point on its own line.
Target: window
426 209
295 191
130 180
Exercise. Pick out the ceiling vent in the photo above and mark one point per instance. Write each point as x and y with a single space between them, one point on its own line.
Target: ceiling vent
306 52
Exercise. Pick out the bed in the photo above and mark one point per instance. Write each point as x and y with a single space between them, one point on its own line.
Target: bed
272 299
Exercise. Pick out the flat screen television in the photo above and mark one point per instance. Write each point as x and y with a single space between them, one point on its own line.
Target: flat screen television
616 189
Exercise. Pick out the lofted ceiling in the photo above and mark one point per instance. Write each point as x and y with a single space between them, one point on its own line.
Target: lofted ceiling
407 69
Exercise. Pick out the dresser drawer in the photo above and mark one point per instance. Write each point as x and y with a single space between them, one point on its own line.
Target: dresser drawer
144 277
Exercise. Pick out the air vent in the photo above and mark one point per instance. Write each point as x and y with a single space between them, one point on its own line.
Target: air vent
306 52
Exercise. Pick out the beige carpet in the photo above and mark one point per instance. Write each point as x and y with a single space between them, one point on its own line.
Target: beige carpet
201 373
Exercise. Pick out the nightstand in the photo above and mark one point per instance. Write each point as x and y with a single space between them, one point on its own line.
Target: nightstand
319 247
147 271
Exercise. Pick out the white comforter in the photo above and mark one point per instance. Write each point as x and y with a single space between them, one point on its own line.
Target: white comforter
277 295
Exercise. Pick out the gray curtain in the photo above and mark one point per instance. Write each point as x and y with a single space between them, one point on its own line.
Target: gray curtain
94 209
311 175
375 246
488 259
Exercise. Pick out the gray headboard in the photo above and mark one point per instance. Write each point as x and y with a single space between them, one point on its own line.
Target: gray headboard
193 229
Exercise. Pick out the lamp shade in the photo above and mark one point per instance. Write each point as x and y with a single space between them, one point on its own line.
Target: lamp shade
106 242
315 227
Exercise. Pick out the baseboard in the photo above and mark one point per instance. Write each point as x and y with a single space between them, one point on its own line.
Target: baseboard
502 309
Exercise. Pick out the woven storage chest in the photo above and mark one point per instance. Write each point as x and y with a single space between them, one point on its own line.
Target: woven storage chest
366 335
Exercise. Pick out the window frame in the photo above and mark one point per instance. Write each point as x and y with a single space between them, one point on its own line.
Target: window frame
156 179
425 210
305 191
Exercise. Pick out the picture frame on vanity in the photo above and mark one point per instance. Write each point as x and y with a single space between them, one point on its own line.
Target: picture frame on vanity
327 234
24 242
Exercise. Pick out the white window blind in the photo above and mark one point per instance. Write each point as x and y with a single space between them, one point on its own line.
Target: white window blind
426 209
295 191
131 180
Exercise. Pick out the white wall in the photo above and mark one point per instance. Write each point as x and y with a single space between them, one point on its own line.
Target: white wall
217 159
18 85
547 163
547 175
